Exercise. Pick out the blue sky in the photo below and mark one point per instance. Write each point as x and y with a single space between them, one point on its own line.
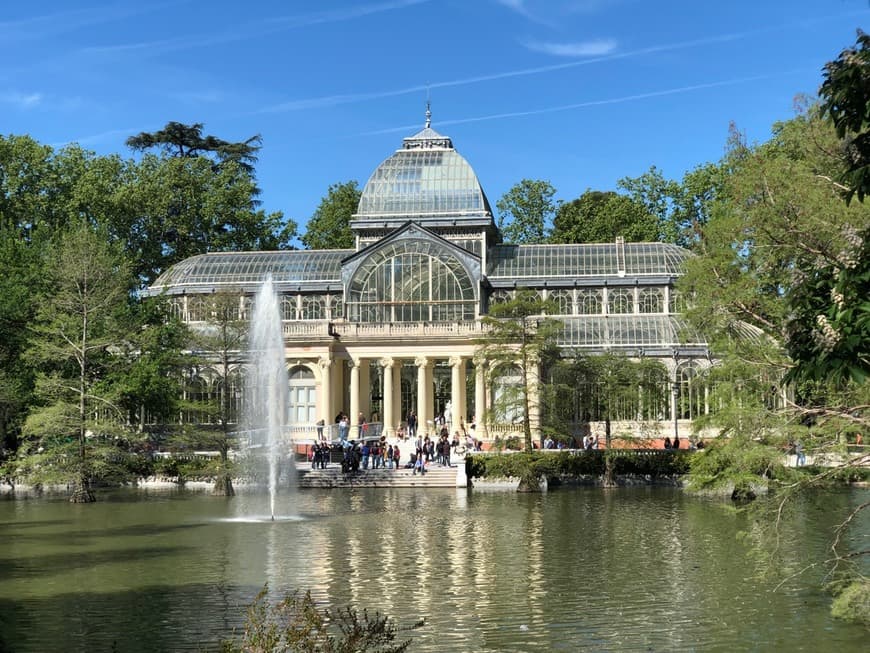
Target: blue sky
577 92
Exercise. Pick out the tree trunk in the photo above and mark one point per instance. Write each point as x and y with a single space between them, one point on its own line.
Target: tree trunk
82 492
223 484
529 482
609 476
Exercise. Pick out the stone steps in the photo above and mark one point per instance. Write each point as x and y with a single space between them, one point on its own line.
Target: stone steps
332 477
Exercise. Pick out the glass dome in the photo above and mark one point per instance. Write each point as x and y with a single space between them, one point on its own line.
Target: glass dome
425 178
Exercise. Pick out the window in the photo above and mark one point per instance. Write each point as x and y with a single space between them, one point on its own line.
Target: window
619 301
313 308
336 307
411 281
303 395
499 297
651 300
288 307
589 301
564 300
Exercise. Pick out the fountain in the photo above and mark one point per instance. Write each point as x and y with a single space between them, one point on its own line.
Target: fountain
267 401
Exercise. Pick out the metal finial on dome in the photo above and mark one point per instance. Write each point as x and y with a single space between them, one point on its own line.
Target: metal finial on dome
428 114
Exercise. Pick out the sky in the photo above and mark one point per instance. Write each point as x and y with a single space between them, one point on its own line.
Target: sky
576 92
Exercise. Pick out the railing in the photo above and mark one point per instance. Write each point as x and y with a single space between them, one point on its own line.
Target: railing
296 329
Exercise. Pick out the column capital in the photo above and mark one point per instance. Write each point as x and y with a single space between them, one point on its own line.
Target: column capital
456 361
421 361
354 361
324 361
387 362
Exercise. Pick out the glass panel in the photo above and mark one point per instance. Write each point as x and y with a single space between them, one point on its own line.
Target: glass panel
620 300
651 300
411 281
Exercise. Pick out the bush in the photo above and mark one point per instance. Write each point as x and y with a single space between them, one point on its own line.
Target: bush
576 464
297 624
853 602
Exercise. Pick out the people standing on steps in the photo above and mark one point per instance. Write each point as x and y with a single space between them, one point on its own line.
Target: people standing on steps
412 425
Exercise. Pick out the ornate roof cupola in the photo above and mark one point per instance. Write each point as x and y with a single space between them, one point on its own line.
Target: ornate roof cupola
425 181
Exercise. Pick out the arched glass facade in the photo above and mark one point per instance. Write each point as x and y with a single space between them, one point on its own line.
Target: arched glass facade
411 281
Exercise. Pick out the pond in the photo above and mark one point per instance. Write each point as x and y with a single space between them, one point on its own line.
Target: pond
647 569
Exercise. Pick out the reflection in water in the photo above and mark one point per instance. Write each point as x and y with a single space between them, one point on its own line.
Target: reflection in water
575 569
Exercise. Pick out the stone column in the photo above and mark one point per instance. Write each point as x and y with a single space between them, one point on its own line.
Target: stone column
424 401
324 409
480 399
388 418
365 389
354 399
398 417
457 391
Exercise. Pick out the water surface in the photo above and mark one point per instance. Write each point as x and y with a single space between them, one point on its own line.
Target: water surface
647 569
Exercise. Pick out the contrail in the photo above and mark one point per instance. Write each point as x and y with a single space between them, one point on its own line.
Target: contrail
592 103
348 98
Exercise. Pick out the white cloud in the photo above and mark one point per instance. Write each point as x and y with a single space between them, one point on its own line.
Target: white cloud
21 100
595 48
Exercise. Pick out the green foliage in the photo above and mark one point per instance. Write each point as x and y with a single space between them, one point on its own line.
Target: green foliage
519 339
599 217
181 140
575 464
526 211
737 463
298 624
781 255
852 602
845 97
329 227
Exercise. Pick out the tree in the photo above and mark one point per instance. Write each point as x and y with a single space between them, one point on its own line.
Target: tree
177 139
169 209
526 211
519 337
778 292
845 95
616 380
220 343
681 208
329 227
19 275
87 282
599 217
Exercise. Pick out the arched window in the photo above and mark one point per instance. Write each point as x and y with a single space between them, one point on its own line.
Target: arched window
197 398
619 301
589 301
499 297
411 281
313 308
336 307
288 307
197 309
176 308
303 395
564 300
506 398
651 300
692 384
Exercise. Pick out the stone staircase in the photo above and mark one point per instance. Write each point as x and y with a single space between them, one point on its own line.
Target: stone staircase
332 477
